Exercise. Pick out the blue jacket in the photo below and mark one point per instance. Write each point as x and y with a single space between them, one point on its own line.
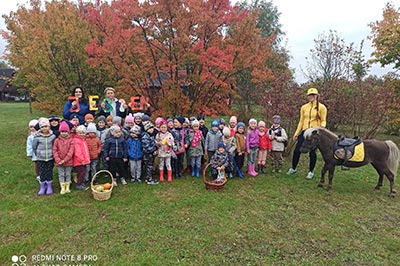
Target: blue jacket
148 143
135 150
115 148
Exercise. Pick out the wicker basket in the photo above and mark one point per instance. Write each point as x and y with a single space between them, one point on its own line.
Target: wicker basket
103 195
213 184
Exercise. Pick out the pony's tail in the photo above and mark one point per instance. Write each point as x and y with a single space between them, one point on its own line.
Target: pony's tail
394 154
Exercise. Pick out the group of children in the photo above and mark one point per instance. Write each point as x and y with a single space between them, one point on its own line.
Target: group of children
128 149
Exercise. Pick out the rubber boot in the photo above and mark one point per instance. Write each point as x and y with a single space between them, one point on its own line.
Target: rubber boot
252 171
161 175
62 185
169 175
263 169
198 171
249 169
49 190
67 187
193 168
42 189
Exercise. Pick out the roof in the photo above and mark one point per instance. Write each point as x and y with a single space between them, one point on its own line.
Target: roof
5 73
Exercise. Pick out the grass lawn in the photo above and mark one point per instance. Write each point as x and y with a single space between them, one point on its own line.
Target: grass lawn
271 219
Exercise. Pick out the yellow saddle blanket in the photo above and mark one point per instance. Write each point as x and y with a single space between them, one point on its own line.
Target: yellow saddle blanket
347 155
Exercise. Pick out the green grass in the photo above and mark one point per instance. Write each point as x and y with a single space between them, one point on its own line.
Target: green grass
270 219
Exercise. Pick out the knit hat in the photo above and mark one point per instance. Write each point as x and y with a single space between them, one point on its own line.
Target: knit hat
252 120
81 129
159 120
261 124
109 89
53 117
89 116
201 117
233 119
222 121
221 145
113 129
73 116
195 122
187 120
215 123
138 114
276 119
145 117
91 128
101 118
117 120
136 130
241 124
192 118
33 122
226 132
181 119
109 118
170 120
147 125
129 118
43 121
64 127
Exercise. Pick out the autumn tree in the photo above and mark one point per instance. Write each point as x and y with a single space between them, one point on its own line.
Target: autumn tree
385 36
184 55
46 43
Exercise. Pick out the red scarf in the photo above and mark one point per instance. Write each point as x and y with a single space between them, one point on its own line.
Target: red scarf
196 138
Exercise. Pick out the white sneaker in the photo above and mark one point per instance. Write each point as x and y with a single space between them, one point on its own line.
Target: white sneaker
123 181
291 171
310 175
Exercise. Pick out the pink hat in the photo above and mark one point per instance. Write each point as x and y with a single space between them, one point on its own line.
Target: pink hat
261 124
159 120
64 127
129 119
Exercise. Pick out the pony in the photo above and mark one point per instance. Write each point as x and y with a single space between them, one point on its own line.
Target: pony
383 155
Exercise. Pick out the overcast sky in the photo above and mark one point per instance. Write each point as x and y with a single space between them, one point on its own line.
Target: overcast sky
303 21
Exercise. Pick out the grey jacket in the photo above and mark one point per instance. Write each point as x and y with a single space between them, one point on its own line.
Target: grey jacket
212 140
42 146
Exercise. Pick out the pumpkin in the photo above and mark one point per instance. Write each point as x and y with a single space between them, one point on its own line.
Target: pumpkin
107 186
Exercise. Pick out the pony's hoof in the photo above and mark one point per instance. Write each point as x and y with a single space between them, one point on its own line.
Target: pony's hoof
320 185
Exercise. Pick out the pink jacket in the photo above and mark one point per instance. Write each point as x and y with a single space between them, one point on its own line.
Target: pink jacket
81 151
63 150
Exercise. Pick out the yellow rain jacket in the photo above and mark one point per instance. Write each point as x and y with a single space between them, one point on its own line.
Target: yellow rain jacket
309 118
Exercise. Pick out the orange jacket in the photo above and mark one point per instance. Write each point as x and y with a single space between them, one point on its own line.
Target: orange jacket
94 145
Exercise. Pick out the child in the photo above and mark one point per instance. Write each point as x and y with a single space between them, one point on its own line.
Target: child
181 143
264 146
219 161
149 150
135 154
170 123
203 128
63 151
129 123
89 118
109 121
75 120
240 145
232 125
278 138
116 154
252 143
54 124
196 151
42 147
214 136
94 145
29 141
230 147
164 141
81 156
101 133
137 119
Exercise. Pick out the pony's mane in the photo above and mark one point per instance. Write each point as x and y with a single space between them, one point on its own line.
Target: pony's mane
309 132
